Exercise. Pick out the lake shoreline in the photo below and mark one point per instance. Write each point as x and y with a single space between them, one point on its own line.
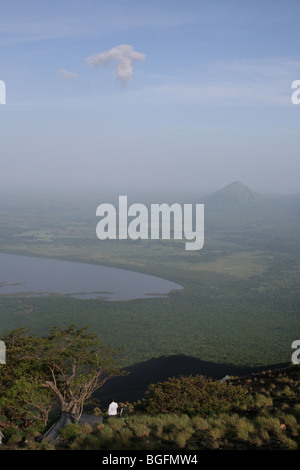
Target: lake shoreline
78 279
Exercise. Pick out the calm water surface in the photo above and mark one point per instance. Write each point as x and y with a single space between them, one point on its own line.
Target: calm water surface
26 275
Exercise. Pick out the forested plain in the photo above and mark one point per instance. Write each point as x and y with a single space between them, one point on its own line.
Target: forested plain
240 297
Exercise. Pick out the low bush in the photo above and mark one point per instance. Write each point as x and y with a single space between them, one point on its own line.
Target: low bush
193 395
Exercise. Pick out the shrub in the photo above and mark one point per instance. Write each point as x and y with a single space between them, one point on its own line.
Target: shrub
181 438
287 391
193 395
123 440
70 432
244 429
13 435
15 438
86 428
116 424
90 442
106 433
217 429
262 401
285 406
140 429
269 425
200 423
297 412
173 422
97 411
3 420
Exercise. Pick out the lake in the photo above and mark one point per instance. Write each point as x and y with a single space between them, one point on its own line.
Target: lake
30 276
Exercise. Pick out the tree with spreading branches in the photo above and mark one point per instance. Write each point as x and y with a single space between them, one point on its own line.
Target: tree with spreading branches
65 368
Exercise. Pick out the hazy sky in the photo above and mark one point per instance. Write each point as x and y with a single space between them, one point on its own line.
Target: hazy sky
179 94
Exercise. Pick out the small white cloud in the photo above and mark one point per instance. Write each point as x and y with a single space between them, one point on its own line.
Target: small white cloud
66 75
123 55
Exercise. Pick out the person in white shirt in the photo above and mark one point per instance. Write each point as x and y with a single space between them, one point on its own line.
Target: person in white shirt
113 408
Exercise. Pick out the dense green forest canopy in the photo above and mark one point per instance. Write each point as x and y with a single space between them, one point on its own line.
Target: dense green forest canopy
240 302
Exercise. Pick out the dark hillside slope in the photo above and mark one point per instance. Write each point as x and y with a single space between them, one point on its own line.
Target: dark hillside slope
132 387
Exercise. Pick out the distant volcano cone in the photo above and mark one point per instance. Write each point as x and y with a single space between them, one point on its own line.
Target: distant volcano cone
235 196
